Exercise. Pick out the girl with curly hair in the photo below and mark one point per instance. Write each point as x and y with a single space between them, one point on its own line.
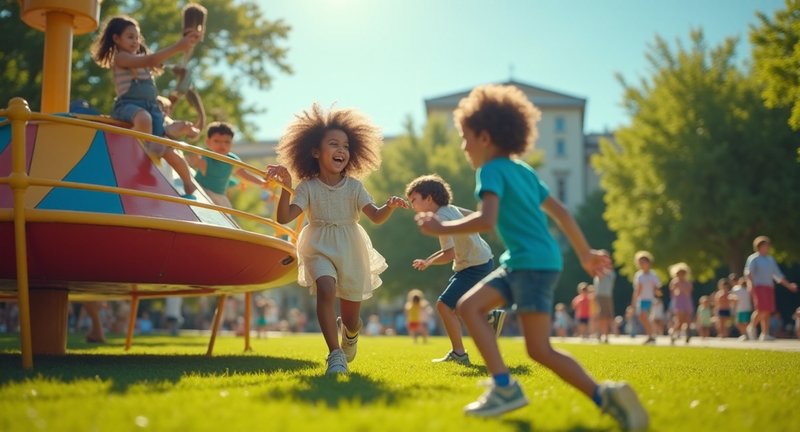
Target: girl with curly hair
328 152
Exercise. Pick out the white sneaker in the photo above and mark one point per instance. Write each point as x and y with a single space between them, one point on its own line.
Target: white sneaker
497 400
766 337
620 401
744 337
349 345
751 332
337 363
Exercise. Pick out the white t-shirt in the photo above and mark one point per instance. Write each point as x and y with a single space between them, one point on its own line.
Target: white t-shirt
743 301
649 283
470 249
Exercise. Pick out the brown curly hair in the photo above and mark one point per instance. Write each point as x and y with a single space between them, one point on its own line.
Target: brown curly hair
305 134
505 112
433 186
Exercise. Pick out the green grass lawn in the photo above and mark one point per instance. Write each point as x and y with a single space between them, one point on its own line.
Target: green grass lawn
168 384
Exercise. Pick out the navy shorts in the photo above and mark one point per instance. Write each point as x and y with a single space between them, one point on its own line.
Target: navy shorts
462 281
525 290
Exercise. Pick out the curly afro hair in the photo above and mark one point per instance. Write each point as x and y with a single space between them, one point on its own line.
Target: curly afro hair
305 134
433 186
505 112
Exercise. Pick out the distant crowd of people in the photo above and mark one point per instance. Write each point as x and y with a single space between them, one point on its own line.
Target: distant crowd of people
740 306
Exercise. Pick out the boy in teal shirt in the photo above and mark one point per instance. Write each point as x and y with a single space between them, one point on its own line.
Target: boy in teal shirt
498 123
215 175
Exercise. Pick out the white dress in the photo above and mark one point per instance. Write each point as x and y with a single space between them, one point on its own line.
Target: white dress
333 243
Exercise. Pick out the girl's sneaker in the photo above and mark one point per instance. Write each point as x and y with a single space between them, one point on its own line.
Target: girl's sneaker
337 362
349 344
497 400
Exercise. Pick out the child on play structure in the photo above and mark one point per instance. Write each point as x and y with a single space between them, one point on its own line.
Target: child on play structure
328 151
120 47
498 124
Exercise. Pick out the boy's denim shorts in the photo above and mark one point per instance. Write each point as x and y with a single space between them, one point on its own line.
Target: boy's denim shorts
462 281
525 290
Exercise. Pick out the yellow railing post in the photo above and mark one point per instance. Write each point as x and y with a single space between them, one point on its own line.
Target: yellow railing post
18 113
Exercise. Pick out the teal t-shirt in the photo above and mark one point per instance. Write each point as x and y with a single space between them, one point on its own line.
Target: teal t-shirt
217 174
521 223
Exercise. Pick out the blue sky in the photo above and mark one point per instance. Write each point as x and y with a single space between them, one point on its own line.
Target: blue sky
384 57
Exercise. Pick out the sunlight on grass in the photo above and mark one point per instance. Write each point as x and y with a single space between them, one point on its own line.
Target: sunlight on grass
168 384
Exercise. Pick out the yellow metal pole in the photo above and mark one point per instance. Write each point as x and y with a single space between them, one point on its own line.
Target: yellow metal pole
18 113
132 321
248 305
215 324
57 68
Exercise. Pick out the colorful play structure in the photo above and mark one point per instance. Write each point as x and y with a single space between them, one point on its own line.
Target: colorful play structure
87 214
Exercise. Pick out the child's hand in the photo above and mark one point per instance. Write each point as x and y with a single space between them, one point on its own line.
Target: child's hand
189 40
280 174
396 201
420 264
428 223
596 263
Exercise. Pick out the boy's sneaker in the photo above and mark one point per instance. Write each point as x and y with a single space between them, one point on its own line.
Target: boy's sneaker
349 345
496 318
452 356
497 400
337 363
620 401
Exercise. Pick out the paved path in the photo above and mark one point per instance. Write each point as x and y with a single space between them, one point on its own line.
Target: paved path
790 345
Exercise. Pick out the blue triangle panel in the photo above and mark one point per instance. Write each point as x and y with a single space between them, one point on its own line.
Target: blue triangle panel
5 135
94 168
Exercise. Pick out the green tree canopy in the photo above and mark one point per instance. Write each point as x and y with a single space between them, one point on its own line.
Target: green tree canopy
776 55
703 167
241 46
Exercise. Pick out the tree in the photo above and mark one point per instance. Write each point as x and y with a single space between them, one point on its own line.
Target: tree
240 47
776 55
703 167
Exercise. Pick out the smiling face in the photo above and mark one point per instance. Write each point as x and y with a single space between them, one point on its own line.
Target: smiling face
333 153
129 40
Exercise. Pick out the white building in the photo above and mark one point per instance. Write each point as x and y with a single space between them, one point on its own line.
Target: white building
566 150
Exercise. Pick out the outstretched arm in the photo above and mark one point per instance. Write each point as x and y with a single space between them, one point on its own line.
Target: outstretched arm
285 212
438 257
482 220
594 262
379 215
128 60
252 178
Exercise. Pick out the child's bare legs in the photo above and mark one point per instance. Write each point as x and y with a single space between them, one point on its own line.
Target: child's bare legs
644 318
452 326
182 168
536 329
326 311
722 327
143 122
472 308
350 314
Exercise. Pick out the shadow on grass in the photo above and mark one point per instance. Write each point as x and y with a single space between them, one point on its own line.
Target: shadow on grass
528 426
126 370
333 390
474 370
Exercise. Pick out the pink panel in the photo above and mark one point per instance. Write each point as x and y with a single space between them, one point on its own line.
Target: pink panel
6 197
134 170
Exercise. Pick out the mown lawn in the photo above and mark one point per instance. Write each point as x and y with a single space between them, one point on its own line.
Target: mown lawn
168 384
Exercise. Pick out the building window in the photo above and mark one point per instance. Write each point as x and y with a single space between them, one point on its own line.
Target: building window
561 148
561 188
561 124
